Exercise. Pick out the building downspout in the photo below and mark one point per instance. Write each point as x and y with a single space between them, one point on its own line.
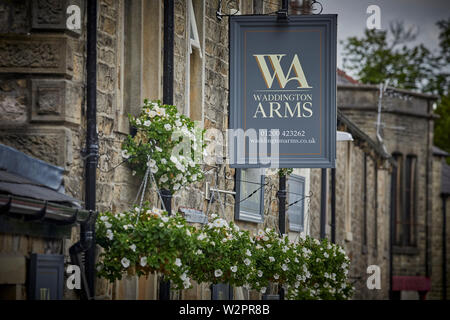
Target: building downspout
164 286
444 247
323 203
87 230
391 229
333 205
428 182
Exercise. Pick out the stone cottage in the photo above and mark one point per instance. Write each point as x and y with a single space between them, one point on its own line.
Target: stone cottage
380 203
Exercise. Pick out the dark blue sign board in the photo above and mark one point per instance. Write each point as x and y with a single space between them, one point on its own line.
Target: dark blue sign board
282 91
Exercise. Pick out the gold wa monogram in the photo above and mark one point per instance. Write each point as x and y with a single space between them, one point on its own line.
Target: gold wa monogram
283 79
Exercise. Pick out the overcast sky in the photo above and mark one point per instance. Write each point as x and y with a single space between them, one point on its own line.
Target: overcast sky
423 14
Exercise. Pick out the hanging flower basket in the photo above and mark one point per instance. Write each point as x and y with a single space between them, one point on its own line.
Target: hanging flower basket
166 142
146 240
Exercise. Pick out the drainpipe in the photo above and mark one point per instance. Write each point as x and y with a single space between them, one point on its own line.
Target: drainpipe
87 230
428 192
444 247
323 204
333 205
164 286
391 228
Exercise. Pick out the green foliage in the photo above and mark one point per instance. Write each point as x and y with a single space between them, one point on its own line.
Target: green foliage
384 55
142 241
168 142
282 172
442 125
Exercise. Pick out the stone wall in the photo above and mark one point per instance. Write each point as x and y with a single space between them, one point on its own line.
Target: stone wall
437 234
406 128
350 212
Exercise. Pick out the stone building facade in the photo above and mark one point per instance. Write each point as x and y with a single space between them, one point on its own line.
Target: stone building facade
43 114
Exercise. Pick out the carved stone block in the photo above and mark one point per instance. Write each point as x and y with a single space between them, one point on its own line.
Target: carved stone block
36 54
48 100
52 14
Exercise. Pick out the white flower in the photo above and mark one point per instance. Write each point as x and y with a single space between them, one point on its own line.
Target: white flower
147 123
125 154
178 262
271 259
104 218
163 178
161 225
138 122
151 163
163 161
158 149
125 262
178 123
263 290
248 253
167 127
284 267
201 236
276 276
247 261
174 159
133 173
152 114
268 245
260 273
164 219
176 186
109 234
108 225
233 268
160 111
133 247
143 261
188 233
199 252
218 273
326 255
213 216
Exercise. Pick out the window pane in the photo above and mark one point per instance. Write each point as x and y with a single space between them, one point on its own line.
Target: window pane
296 193
250 182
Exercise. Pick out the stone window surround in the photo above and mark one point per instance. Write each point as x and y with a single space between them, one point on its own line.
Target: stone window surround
400 244
139 57
195 61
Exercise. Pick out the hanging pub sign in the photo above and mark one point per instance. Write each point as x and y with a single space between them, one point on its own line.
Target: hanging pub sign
282 91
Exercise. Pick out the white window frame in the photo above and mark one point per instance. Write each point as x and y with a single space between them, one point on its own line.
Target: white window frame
295 227
194 39
243 215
